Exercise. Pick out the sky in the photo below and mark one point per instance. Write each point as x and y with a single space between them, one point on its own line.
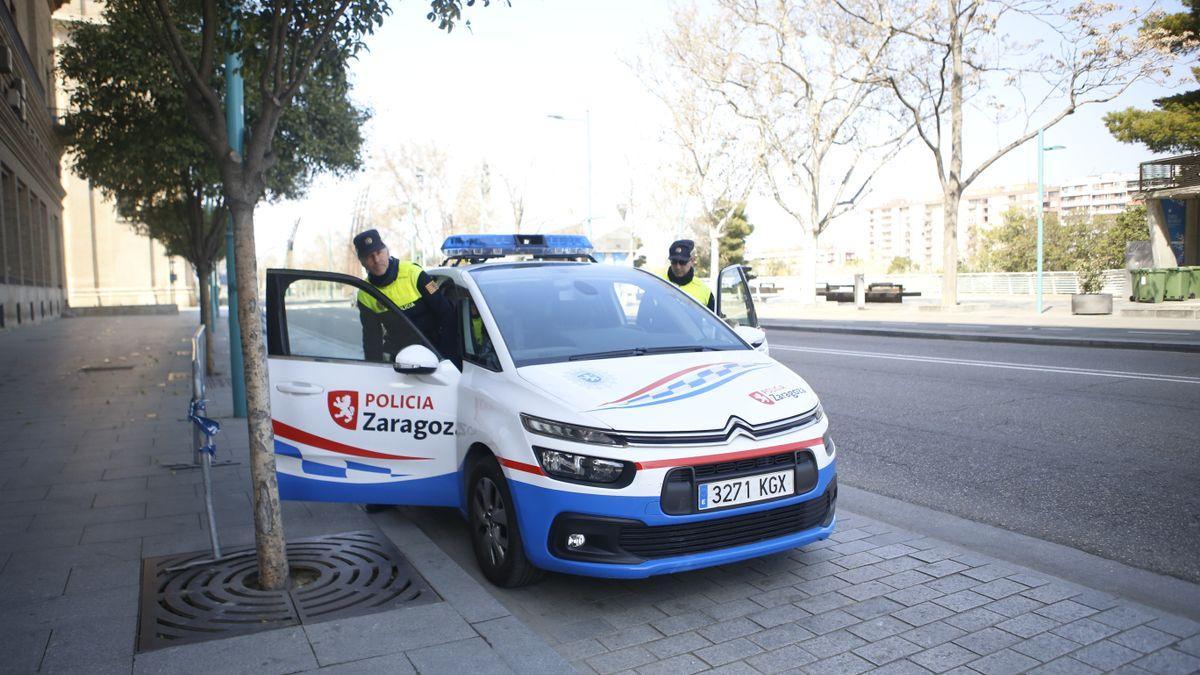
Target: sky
487 93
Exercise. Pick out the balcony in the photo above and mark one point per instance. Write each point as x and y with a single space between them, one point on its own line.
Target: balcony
1170 173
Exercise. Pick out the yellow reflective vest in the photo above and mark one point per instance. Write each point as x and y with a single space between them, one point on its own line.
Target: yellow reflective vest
403 290
695 288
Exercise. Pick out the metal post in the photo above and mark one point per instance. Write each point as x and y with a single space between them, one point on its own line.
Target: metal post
588 123
1041 150
234 118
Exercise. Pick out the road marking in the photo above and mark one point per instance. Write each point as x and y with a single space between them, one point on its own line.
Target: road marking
1067 370
1144 332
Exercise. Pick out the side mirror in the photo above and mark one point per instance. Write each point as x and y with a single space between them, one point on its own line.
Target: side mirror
415 360
756 337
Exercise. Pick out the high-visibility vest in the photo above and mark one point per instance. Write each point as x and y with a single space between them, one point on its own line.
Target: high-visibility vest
695 288
403 290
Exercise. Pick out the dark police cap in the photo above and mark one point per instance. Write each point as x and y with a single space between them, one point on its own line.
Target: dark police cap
368 242
681 250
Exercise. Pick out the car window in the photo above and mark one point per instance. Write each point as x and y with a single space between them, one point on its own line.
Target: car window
736 304
477 343
559 312
325 320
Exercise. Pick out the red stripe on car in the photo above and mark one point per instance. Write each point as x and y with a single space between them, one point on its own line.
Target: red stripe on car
300 436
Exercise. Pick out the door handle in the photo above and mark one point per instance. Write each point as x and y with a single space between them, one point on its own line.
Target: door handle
299 388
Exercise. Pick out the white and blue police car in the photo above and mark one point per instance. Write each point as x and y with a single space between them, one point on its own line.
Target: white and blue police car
585 418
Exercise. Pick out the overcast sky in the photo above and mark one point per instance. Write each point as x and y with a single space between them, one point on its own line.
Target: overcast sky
485 93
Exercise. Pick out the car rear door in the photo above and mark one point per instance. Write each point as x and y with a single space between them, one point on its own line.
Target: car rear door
348 429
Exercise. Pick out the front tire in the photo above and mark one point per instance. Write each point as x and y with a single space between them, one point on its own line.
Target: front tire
495 536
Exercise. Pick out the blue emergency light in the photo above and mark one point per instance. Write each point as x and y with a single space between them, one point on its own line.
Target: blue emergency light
497 245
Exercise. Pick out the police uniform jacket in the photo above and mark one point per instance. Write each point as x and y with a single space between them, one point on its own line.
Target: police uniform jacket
415 293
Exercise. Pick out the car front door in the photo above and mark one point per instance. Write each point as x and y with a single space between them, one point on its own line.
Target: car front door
348 429
735 304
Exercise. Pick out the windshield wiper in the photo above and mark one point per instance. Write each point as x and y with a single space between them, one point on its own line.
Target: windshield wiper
616 353
679 349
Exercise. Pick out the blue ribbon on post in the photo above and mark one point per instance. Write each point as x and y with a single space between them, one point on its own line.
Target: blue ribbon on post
209 427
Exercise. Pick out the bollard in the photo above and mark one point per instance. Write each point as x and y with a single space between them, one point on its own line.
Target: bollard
860 291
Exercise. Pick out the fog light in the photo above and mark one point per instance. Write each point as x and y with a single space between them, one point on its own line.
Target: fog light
575 540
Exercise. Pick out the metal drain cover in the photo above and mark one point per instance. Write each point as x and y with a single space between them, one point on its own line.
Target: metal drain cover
341 575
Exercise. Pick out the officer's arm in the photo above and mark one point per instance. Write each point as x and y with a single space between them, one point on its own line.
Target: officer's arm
437 301
372 334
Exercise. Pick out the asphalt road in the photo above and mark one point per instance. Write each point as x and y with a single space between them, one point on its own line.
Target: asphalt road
1096 449
1166 339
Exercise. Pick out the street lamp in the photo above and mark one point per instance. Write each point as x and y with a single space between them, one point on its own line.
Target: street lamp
1041 207
587 120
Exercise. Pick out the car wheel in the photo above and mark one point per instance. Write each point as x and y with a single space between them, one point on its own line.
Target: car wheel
495 535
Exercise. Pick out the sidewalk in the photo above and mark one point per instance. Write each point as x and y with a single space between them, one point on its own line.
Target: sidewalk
84 498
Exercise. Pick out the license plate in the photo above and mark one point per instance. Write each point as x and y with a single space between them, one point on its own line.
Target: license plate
746 490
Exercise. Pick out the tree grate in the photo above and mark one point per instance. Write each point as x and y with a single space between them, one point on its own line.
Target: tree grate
336 576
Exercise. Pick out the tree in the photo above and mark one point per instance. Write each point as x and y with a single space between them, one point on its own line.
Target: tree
958 56
901 265
294 41
719 160
733 239
129 134
1128 225
805 79
1175 125
1012 245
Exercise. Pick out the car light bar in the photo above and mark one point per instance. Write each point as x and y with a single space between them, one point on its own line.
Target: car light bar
496 245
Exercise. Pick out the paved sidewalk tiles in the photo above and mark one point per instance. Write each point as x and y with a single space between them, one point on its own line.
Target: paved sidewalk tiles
85 496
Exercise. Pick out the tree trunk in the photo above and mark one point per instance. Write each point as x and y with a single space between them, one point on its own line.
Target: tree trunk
952 186
206 318
268 521
808 270
714 257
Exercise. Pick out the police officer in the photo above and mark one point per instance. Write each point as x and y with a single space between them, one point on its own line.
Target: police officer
410 288
682 273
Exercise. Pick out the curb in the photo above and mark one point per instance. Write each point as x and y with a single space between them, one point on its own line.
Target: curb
1164 592
983 337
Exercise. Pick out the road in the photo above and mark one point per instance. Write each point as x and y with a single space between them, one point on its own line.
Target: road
1176 340
1092 448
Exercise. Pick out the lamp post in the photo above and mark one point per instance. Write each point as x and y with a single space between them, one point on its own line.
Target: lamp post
1041 208
587 120
234 120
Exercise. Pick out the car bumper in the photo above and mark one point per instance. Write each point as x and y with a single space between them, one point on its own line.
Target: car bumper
539 509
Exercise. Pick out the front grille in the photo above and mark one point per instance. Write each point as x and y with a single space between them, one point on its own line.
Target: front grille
663 541
733 426
711 471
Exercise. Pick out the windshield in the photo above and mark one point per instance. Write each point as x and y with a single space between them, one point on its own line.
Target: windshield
566 312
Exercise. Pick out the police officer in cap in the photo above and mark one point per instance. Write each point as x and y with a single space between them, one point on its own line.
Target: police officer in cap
682 273
413 291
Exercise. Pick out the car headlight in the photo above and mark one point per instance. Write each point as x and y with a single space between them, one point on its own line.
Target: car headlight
820 414
584 469
570 432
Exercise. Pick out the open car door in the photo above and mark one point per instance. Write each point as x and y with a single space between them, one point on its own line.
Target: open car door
735 304
349 429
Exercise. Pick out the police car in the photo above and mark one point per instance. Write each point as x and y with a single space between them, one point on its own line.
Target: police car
589 419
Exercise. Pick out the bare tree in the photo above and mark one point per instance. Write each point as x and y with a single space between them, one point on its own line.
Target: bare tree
805 78
420 204
515 191
1020 66
720 160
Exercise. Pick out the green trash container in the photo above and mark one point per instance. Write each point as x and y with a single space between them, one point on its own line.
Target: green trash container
1194 290
1177 283
1148 285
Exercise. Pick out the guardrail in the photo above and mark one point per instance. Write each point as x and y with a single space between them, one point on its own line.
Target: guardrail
1169 172
973 283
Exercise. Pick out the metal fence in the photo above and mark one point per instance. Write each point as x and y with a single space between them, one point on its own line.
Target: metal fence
974 283
1169 172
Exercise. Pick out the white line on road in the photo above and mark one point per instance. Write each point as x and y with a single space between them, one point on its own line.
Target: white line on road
1067 370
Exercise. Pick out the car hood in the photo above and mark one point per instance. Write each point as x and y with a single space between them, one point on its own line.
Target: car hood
676 392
